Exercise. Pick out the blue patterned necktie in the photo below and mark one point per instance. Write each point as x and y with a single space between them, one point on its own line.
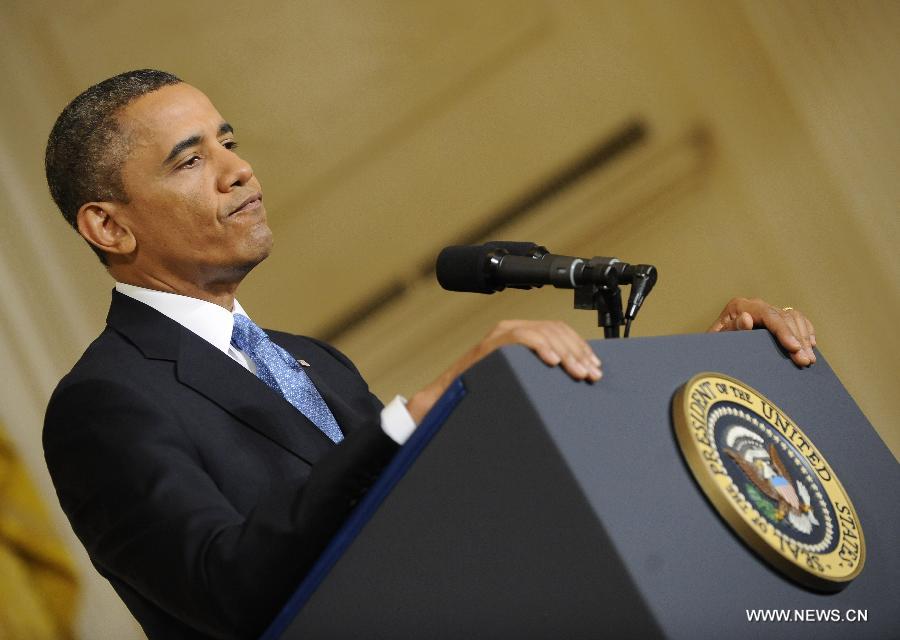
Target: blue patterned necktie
279 370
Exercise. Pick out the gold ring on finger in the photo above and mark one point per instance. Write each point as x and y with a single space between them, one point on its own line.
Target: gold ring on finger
787 308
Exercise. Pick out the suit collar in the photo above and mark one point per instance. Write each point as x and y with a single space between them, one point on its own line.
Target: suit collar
210 321
155 335
216 376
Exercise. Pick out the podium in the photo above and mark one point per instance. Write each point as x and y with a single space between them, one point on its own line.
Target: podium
530 506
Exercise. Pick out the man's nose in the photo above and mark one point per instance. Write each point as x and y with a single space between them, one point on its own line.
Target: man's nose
236 172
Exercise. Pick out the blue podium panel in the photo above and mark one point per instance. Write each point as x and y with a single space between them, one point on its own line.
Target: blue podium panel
546 508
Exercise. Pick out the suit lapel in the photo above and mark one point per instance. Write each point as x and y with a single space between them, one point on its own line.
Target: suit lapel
213 374
217 377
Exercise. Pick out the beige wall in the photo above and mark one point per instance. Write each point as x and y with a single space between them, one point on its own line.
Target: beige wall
385 130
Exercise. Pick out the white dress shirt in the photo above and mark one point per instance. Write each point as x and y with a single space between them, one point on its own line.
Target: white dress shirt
215 325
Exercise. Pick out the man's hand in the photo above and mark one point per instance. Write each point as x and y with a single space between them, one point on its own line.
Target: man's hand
556 343
793 330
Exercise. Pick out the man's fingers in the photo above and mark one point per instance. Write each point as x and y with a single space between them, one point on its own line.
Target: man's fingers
811 330
577 345
803 333
784 325
555 343
539 343
722 324
732 322
792 329
548 355
577 358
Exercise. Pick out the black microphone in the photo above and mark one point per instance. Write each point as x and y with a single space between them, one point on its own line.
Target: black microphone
492 267
642 280
641 277
527 249
524 249
496 265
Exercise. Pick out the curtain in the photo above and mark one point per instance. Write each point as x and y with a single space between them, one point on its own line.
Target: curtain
38 584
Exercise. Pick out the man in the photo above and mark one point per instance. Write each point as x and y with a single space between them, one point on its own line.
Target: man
202 467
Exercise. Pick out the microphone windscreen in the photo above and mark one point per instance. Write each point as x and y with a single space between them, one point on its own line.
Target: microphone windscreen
462 268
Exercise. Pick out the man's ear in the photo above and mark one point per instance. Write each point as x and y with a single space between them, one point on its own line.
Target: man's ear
100 224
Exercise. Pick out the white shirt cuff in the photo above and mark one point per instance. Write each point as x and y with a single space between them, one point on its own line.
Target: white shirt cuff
396 421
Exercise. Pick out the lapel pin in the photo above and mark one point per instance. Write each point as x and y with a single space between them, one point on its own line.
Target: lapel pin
303 362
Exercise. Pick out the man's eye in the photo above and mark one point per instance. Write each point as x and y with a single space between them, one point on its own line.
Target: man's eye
231 145
190 162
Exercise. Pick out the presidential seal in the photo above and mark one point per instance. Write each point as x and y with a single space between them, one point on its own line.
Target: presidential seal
766 478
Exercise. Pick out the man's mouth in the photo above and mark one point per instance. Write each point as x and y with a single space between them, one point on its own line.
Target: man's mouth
251 203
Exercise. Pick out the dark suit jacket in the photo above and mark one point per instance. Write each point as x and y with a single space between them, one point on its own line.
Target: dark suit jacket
198 491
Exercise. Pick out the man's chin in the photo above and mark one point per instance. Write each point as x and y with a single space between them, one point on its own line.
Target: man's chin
244 258
247 265
259 252
259 246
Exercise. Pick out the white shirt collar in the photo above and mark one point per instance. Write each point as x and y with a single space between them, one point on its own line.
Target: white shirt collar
209 321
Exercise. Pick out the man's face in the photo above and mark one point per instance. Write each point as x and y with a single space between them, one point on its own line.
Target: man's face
195 208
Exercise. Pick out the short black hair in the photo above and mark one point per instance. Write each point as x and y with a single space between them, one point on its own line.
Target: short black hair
86 149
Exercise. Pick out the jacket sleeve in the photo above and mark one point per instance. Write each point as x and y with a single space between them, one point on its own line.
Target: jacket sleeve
135 490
